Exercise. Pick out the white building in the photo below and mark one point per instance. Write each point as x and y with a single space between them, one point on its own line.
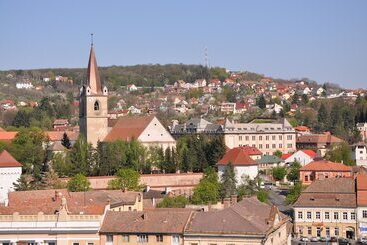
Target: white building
24 85
267 136
360 154
304 157
362 127
242 163
10 171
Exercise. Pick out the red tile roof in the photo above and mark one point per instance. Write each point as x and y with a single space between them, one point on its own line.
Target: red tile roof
326 166
7 136
58 135
318 138
128 127
311 153
362 189
237 156
7 160
302 129
285 156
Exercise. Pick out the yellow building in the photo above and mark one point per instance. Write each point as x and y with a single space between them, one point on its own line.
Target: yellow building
327 208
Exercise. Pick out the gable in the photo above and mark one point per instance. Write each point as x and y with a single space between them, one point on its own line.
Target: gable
155 132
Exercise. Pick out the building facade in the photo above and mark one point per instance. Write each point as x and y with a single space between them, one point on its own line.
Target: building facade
360 154
10 172
267 137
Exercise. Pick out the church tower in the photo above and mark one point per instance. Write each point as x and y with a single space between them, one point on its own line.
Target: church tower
93 118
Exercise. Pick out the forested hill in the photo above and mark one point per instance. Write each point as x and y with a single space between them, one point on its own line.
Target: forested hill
140 75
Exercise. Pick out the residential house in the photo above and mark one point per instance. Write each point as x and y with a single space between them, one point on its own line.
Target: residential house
246 222
60 124
360 154
24 85
244 166
131 87
327 208
317 142
228 107
10 172
195 126
134 110
362 127
319 170
199 83
268 136
304 157
267 162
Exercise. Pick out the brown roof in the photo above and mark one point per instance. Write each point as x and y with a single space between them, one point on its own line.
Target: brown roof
128 127
150 221
326 166
2 130
249 216
333 192
7 160
48 201
93 79
318 138
362 189
237 156
7 136
58 135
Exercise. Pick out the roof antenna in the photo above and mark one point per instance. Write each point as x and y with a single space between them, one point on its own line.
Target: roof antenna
91 39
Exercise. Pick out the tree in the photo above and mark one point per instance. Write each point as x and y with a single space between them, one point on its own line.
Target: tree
262 196
278 153
52 181
294 193
229 181
65 141
248 187
207 191
173 202
78 183
126 179
279 173
81 157
293 174
304 99
25 183
261 102
322 117
340 152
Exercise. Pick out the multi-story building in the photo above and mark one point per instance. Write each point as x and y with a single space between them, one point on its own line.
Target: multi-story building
327 208
268 137
361 185
360 154
319 170
195 126
319 143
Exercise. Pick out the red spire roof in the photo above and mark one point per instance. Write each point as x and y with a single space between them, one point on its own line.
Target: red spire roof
7 160
237 156
93 79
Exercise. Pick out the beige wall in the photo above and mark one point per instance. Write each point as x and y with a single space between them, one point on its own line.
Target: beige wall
156 134
137 206
60 239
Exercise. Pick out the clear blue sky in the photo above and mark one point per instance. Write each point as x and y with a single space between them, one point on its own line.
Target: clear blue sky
323 40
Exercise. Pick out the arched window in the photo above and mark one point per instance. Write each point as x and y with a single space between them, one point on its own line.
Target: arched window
96 106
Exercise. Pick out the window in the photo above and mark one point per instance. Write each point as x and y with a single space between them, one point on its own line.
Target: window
125 238
142 238
327 215
280 146
308 215
289 145
352 216
289 137
364 213
306 177
74 243
300 230
300 215
159 238
176 239
309 230
273 146
246 138
260 137
96 106
336 231
260 146
280 137
345 215
318 231
273 137
327 231
318 215
240 138
109 238
267 137
253 137
336 215
267 146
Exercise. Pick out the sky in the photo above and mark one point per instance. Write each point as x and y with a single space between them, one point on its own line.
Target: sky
323 40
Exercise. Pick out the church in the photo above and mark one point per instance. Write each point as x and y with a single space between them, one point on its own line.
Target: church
94 121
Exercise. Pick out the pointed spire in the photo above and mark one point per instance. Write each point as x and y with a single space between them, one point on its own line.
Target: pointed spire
93 79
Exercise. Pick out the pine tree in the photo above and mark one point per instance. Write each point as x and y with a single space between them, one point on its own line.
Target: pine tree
229 181
261 102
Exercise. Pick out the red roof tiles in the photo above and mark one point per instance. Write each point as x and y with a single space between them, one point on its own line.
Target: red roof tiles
7 160
311 153
238 156
326 166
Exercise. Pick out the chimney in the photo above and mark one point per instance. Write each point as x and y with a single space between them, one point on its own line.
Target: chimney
147 188
233 199
226 202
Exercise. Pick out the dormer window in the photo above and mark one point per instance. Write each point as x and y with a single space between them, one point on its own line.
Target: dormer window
96 106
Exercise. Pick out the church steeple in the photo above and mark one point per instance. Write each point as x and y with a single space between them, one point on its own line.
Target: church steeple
93 79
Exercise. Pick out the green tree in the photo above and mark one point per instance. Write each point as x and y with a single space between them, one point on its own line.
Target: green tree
207 191
262 196
81 157
261 102
126 179
294 193
322 117
293 174
279 173
278 153
78 183
65 141
173 202
248 187
229 181
340 152
25 183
